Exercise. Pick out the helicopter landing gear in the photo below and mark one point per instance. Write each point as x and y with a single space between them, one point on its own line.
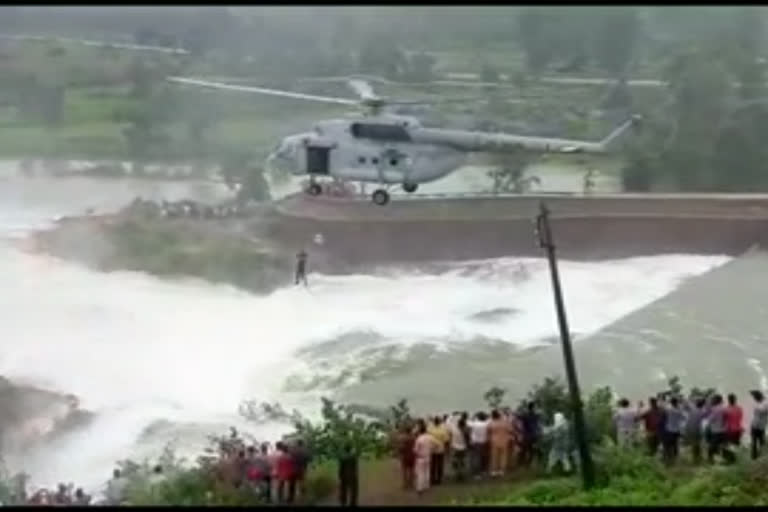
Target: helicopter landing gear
314 189
410 187
380 197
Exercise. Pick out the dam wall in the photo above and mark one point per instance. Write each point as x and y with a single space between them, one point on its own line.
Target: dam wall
357 232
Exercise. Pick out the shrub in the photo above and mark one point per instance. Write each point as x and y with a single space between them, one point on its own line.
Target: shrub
552 396
194 486
320 483
341 429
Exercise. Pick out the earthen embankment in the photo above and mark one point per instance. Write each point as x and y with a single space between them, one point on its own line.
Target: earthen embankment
586 227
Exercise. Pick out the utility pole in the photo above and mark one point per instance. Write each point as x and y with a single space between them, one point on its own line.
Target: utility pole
544 234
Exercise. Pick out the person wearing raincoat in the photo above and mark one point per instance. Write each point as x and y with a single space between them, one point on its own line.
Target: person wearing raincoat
560 435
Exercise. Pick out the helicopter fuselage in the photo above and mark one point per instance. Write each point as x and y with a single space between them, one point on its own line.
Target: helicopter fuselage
376 149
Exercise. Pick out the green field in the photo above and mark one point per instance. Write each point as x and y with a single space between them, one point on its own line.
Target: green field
99 89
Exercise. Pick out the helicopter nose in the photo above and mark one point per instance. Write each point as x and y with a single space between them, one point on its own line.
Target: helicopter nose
280 163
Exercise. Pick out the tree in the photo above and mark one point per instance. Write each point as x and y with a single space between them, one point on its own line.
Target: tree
254 186
494 397
618 97
239 168
700 89
740 153
533 24
552 396
615 38
380 55
547 34
144 133
637 175
340 432
509 174
743 46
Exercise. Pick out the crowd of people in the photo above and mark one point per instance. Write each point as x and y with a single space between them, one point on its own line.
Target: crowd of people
670 421
471 448
492 445
186 209
65 495
274 474
484 445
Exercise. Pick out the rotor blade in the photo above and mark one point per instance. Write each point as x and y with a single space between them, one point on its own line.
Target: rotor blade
367 78
441 101
262 90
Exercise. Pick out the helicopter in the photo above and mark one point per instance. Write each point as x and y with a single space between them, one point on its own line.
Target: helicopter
389 149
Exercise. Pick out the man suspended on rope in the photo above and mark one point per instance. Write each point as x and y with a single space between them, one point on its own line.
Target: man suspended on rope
301 267
589 181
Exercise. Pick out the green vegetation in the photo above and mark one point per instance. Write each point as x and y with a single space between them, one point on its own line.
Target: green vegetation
185 484
61 99
185 249
631 478
625 477
339 433
628 477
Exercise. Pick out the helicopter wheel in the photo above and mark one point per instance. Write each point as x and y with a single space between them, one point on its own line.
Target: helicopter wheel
380 197
314 189
410 187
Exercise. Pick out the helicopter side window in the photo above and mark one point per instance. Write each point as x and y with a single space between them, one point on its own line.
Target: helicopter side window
361 160
375 161
393 162
380 131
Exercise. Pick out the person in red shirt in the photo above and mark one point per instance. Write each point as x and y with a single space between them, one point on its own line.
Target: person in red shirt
653 419
734 416
285 469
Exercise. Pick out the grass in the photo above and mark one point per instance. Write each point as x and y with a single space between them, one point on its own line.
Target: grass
629 478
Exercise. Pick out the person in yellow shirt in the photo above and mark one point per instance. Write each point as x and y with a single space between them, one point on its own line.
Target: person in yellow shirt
500 431
442 435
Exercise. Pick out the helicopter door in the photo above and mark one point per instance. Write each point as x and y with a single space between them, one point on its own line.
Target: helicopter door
318 160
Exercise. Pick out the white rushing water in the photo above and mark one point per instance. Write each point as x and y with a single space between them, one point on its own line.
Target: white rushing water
136 349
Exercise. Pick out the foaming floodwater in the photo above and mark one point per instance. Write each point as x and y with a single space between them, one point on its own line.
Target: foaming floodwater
136 349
